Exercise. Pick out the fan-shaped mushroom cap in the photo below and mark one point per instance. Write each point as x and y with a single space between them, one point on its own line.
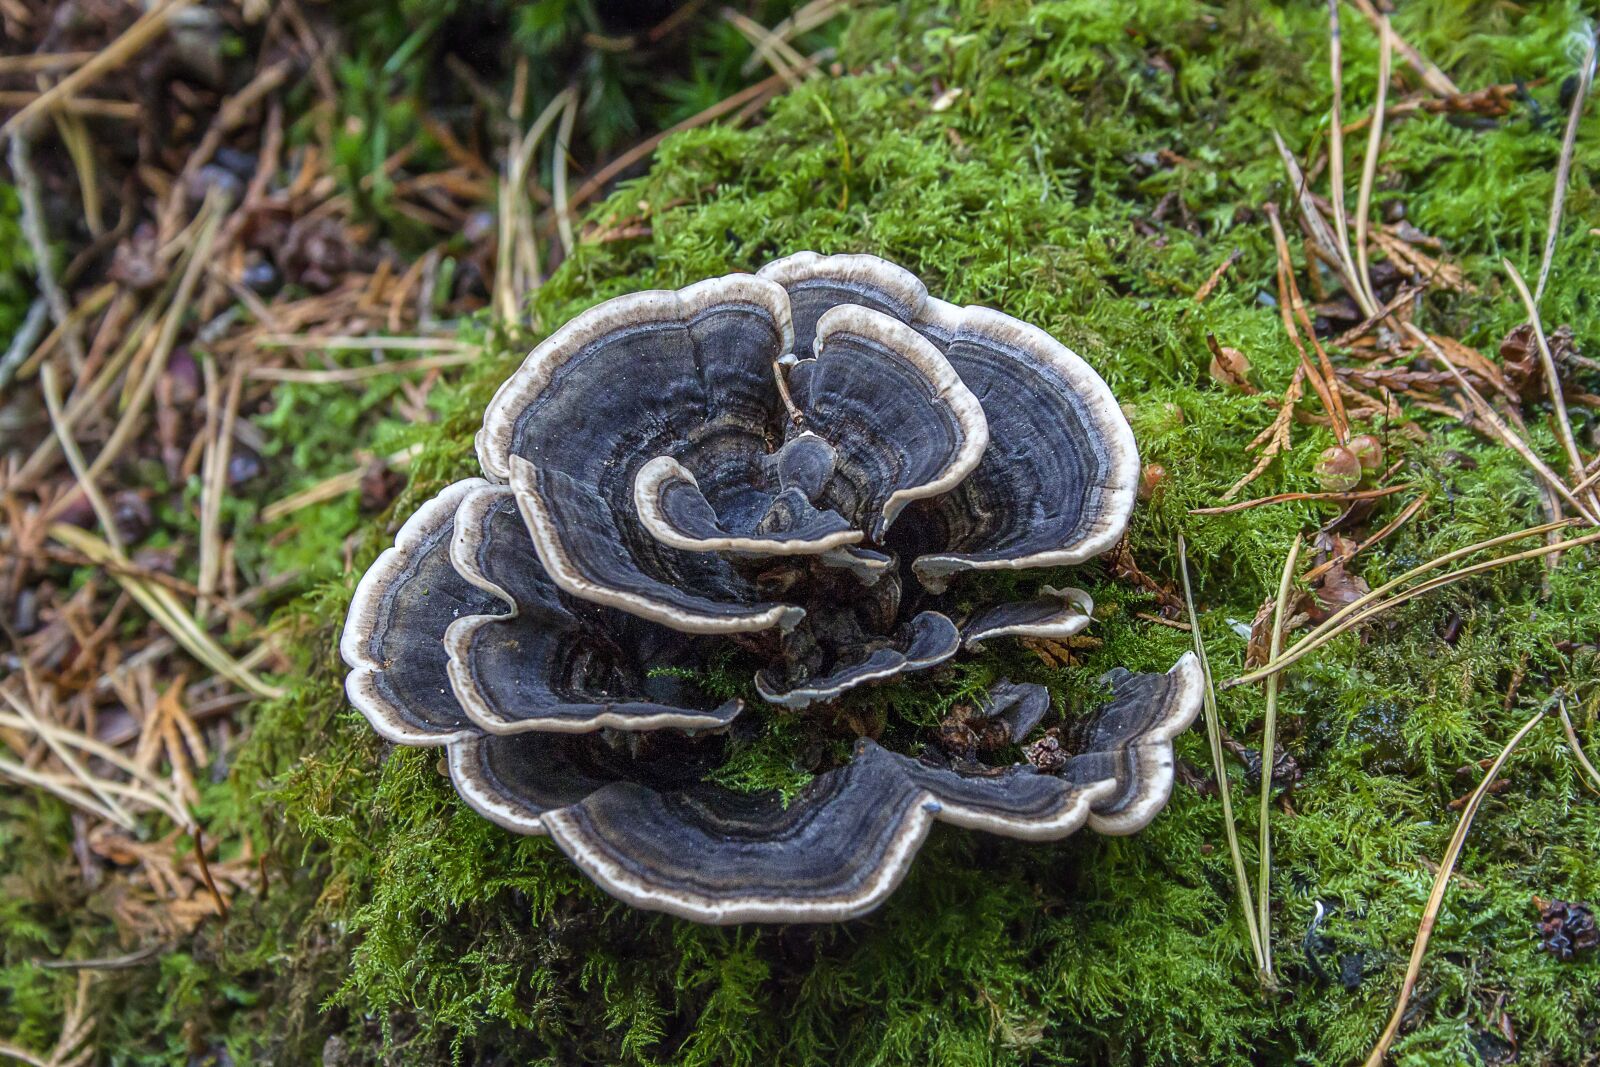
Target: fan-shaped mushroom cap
1056 613
391 635
904 425
1056 484
1017 706
686 374
843 844
926 641
456 630
535 664
676 513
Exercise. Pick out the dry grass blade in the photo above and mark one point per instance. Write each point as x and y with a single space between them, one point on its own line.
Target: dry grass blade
1269 741
773 49
75 460
804 20
148 27
517 257
1372 604
1405 516
1220 770
162 606
1441 882
154 793
558 180
329 488
31 217
1291 306
1336 138
54 742
122 435
1577 748
1369 168
63 787
1323 238
1564 166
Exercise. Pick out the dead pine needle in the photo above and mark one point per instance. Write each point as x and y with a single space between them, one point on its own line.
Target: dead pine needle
1430 913
1373 604
1558 402
1572 740
1564 166
1369 168
1219 768
1269 740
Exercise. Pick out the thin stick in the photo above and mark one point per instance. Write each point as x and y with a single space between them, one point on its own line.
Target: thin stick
1441 882
108 963
31 64
1224 790
1269 741
1577 749
1369 165
93 107
147 28
1564 167
1331 629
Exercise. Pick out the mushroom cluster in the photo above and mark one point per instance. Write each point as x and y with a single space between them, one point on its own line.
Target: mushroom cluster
796 462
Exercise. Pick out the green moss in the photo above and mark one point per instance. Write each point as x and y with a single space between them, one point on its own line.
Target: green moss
426 933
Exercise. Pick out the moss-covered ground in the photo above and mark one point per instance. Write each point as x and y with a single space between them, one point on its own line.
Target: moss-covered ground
1099 162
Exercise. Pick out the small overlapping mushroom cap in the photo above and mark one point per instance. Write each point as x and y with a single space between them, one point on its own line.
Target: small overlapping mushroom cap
813 452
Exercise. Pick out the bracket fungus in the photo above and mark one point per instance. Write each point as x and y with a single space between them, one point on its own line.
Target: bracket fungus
796 464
